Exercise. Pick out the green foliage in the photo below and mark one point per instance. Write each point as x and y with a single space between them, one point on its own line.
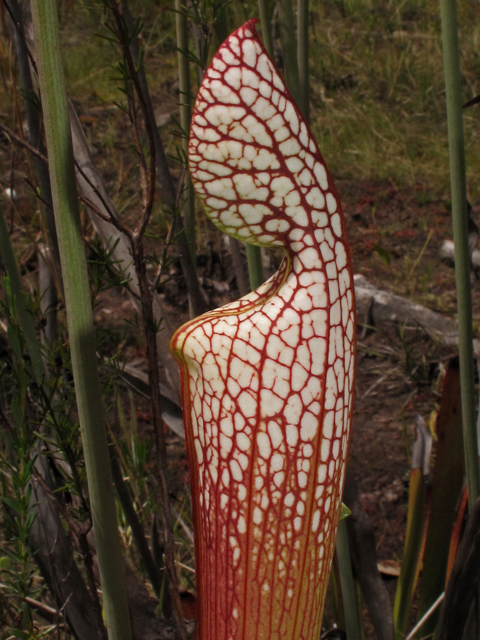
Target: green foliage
379 82
105 272
17 460
376 78
384 254
41 420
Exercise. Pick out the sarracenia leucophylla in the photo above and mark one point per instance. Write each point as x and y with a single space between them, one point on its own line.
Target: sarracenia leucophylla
267 380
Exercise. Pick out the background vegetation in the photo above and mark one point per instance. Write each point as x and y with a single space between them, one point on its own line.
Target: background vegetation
376 72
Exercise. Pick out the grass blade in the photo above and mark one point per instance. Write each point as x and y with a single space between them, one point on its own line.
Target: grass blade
415 535
79 317
289 46
411 560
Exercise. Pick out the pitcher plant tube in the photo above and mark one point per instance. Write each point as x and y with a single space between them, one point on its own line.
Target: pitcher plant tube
268 379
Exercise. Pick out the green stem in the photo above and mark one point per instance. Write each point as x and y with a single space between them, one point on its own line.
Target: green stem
221 29
412 554
34 128
79 318
266 30
255 267
289 46
26 320
347 583
185 119
451 58
302 59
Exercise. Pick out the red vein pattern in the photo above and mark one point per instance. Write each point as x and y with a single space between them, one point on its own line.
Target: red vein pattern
267 380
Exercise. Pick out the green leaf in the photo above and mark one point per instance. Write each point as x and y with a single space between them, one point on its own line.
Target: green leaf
17 411
15 341
18 633
353 625
384 254
10 502
344 511
32 98
447 483
412 554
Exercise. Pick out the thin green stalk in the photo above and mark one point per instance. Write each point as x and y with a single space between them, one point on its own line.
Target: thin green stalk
302 59
347 584
26 320
266 27
289 46
412 554
34 126
49 274
221 29
79 317
255 267
185 119
451 58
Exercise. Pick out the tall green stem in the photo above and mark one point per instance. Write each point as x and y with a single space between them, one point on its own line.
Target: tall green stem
266 30
255 267
302 59
451 58
79 317
289 46
347 584
185 118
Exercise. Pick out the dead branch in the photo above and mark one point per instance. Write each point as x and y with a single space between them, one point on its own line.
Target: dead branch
364 558
19 140
377 307
111 235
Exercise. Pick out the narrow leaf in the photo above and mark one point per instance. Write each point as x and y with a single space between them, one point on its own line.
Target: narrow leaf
415 534
447 482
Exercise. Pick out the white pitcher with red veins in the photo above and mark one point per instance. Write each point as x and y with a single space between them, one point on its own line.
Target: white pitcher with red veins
267 380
